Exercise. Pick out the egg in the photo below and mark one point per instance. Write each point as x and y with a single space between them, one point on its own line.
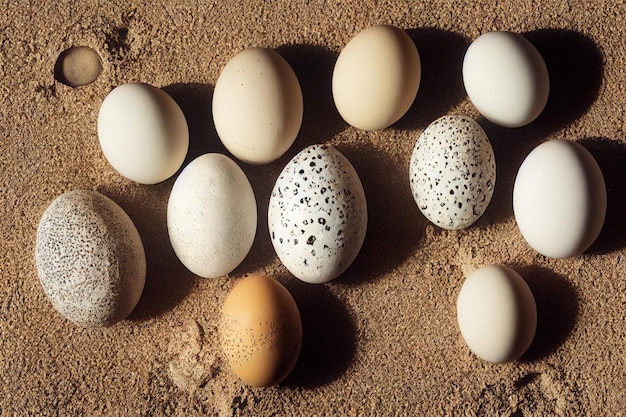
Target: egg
452 172
90 259
78 66
260 331
506 78
212 215
376 77
143 133
497 314
559 199
257 106
317 215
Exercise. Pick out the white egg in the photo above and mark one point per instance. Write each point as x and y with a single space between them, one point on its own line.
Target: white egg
90 259
143 133
257 106
452 172
212 216
559 199
506 78
317 214
376 77
497 314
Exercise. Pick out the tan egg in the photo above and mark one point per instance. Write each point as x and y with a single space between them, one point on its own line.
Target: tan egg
261 331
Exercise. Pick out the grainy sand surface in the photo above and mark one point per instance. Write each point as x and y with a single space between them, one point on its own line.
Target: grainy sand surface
383 338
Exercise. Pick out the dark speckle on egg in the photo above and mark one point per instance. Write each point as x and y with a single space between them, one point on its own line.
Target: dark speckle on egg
452 154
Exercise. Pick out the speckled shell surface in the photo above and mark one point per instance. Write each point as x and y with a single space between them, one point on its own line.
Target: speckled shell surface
90 259
317 214
453 172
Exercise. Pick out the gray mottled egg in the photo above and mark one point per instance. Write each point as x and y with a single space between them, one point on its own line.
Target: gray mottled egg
90 259
317 214
453 172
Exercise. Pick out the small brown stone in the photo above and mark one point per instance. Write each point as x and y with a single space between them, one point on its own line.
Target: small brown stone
78 66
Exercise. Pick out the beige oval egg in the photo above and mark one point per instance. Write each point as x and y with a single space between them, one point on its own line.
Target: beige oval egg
257 106
261 331
376 77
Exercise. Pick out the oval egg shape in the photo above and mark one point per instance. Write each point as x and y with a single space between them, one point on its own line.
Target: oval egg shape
376 77
143 133
506 78
90 259
261 331
212 216
317 214
257 106
497 314
452 172
559 199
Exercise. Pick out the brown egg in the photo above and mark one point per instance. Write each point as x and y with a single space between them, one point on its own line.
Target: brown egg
261 331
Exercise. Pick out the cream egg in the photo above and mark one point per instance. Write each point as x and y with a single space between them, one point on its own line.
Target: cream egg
212 215
143 133
257 106
317 215
376 77
497 314
90 259
559 199
260 331
506 78
452 172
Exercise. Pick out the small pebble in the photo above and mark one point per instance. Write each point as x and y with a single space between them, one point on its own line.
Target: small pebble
78 66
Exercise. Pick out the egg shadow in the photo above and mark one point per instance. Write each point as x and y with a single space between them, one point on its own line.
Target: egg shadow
313 65
441 85
168 282
557 310
611 157
575 67
395 225
328 341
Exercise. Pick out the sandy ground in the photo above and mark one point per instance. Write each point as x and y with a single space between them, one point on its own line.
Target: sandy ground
380 340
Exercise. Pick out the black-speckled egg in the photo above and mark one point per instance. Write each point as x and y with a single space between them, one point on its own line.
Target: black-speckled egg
453 172
317 214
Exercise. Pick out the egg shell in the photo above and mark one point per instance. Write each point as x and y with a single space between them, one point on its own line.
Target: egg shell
497 314
317 214
257 106
143 133
559 199
376 77
452 172
261 331
90 259
212 215
506 78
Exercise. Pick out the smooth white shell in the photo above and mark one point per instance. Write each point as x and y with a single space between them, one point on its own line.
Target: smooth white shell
559 199
90 259
376 77
317 214
453 172
497 314
506 78
143 133
257 106
212 216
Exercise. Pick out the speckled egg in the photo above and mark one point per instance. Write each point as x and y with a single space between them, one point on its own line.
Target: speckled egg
453 172
90 259
317 214
212 215
260 331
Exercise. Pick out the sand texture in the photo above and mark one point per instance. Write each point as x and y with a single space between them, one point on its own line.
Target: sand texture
382 339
